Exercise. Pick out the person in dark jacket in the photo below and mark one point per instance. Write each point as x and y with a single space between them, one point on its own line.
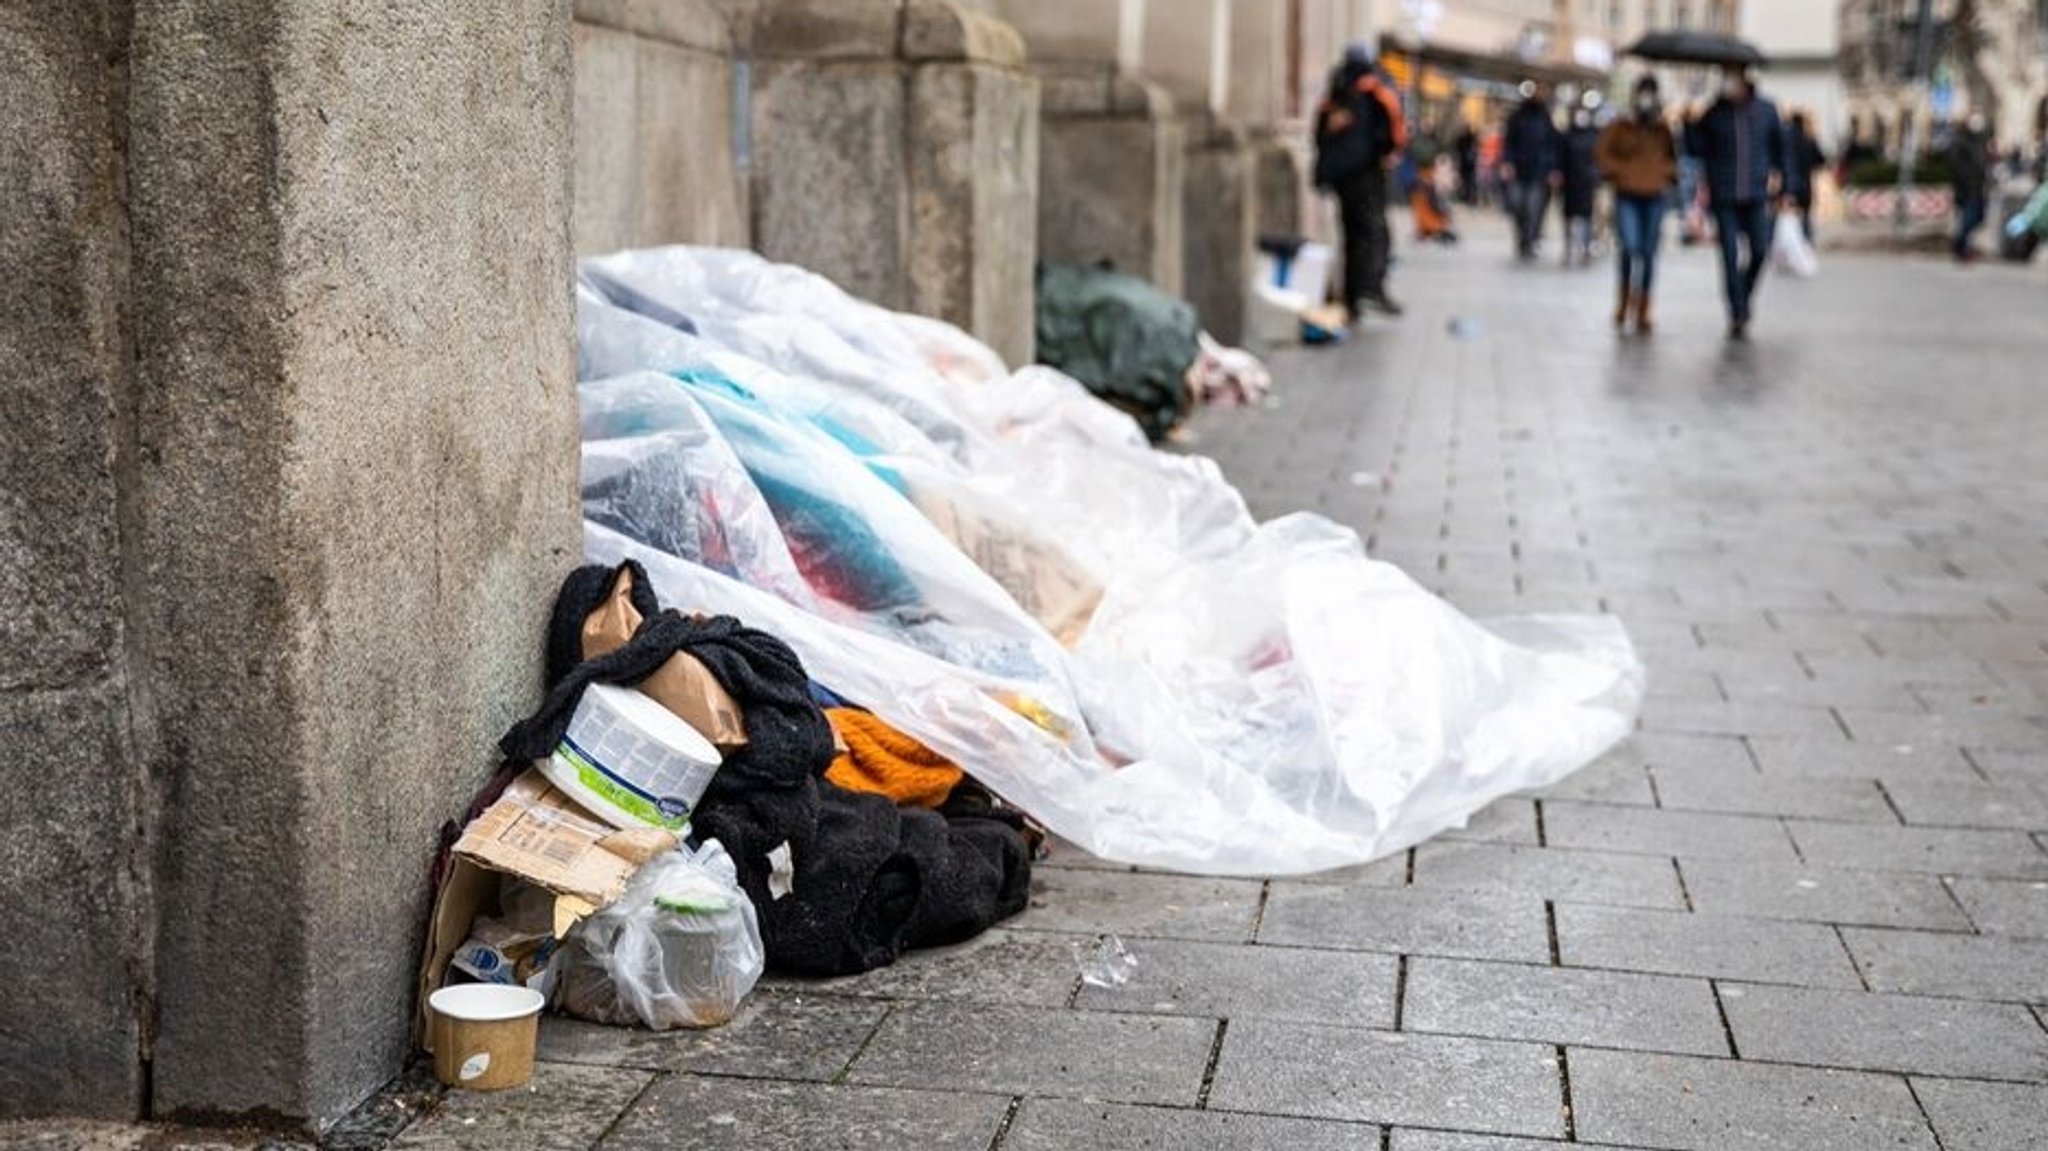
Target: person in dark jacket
1969 159
1359 134
1741 143
1804 161
1637 152
1581 185
1466 146
1532 157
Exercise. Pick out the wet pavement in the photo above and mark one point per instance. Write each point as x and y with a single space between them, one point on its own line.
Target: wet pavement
1805 907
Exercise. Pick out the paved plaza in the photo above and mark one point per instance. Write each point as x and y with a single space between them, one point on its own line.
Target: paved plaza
1805 907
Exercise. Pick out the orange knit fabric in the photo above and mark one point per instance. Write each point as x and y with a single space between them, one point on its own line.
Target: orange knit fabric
885 761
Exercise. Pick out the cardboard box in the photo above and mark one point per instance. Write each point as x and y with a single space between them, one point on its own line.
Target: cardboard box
683 684
534 832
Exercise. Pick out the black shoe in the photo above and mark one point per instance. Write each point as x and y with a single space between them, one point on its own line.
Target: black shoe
1383 304
1739 330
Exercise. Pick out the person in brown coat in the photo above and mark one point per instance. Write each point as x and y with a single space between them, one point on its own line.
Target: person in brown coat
1639 156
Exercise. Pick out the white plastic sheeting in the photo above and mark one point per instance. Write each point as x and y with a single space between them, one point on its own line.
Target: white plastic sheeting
997 564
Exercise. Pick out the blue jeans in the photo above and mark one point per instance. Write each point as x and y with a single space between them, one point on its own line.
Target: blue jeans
1532 204
1640 222
1733 224
1972 212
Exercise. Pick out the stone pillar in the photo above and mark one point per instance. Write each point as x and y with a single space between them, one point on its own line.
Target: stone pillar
290 479
1112 155
1220 220
74 882
896 151
656 162
1111 171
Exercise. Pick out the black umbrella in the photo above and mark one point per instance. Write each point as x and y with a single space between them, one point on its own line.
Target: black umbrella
1696 48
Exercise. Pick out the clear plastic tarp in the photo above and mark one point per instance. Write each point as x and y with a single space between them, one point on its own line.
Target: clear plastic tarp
997 564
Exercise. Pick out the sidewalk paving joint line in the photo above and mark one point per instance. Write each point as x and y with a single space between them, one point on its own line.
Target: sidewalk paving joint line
1209 1069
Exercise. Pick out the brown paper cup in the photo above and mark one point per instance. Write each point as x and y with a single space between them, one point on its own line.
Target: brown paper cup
484 1035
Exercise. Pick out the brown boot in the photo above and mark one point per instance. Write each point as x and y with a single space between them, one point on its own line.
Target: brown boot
1643 325
1622 306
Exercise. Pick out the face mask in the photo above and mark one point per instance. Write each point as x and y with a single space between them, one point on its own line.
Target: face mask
1646 106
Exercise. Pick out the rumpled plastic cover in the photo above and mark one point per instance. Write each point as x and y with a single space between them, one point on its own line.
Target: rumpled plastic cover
998 565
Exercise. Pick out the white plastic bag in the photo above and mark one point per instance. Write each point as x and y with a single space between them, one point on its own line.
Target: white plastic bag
681 948
1790 249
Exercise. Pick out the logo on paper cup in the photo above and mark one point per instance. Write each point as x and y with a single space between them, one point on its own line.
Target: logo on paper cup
474 1066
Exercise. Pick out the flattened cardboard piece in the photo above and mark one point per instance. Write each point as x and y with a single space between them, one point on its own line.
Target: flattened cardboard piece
1039 574
541 835
534 832
683 684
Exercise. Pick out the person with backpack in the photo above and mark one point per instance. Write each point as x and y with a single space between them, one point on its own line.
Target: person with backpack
1359 134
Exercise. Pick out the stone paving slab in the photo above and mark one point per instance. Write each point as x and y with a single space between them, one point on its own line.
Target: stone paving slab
1058 1125
1551 873
1653 831
1223 981
1466 924
1713 946
1984 1116
1563 1005
1002 966
1181 907
565 1109
2019 806
1942 851
1970 966
1688 1104
2005 906
1617 777
1385 1077
1821 895
1752 793
1034 1051
706 1114
1886 1032
1835 759
1710 717
778 1036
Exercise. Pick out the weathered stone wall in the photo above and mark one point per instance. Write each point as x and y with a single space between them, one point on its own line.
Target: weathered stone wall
1219 212
1112 161
72 889
301 488
655 156
896 152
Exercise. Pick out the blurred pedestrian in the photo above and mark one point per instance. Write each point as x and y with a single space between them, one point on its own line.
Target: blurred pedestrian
1804 162
1969 161
1466 148
1581 187
1741 143
1359 135
1638 154
1532 155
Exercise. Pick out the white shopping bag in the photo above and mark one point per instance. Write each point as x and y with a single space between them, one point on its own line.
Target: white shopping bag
1791 250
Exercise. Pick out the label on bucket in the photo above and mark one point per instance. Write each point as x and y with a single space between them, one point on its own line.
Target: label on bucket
474 1066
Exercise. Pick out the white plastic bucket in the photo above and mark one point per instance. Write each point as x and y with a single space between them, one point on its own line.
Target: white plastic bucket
631 761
